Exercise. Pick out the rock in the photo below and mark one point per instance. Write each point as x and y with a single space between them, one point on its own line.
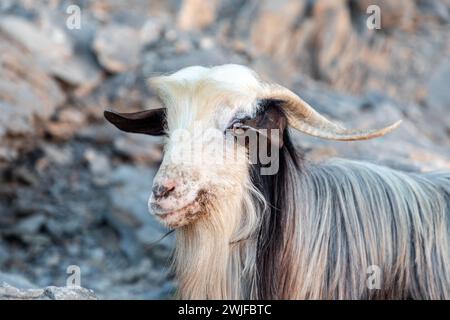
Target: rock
67 123
394 14
133 185
69 293
4 254
103 133
118 48
54 50
35 40
27 96
65 126
129 198
196 14
31 224
143 149
99 166
121 92
72 115
134 272
57 155
26 91
438 95
437 102
407 148
150 32
7 153
271 30
78 71
8 292
16 280
435 10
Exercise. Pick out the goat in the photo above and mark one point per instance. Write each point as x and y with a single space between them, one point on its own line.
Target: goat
307 231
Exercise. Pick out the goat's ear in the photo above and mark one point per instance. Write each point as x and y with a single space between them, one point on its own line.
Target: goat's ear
147 122
270 116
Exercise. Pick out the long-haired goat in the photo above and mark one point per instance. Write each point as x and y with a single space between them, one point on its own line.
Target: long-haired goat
307 231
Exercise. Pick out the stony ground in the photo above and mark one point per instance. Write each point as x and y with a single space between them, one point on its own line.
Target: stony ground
73 190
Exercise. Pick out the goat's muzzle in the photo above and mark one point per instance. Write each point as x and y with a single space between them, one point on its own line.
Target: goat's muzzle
172 206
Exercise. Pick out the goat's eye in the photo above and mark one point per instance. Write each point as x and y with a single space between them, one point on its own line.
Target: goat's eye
238 127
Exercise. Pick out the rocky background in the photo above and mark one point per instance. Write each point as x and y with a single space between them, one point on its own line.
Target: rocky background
73 190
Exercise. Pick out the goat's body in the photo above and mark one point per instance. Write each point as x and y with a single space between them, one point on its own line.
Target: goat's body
328 230
353 221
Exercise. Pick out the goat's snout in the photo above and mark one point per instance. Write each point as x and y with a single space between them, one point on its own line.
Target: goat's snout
163 190
169 195
163 196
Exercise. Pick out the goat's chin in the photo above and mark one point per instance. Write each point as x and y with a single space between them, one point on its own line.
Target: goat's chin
182 217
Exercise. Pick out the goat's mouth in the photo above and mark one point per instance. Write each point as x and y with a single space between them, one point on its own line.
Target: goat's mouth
181 217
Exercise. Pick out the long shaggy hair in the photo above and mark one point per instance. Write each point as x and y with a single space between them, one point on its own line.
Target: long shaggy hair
313 231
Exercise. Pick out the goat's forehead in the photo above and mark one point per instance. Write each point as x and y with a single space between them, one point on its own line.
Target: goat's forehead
228 73
215 93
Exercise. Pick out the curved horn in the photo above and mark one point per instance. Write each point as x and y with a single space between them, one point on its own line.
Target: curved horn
303 117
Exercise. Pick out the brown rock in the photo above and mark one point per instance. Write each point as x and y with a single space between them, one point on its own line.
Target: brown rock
394 14
196 14
272 30
27 94
53 49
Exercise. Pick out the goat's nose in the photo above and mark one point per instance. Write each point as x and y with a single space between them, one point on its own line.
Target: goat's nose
163 190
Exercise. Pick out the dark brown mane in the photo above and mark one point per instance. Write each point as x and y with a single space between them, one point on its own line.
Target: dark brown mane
272 240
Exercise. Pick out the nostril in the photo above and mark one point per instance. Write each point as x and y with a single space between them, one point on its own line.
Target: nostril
164 190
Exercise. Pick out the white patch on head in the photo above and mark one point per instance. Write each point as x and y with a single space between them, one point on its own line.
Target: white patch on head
208 94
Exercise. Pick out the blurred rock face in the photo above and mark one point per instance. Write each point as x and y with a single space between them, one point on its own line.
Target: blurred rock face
73 190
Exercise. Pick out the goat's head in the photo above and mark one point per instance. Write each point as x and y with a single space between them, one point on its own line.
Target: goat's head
205 112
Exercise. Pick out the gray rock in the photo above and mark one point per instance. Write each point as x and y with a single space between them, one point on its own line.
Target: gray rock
16 280
118 48
436 9
27 95
4 254
99 166
8 292
438 93
151 32
26 90
143 149
395 14
69 293
58 155
31 224
35 40
122 92
130 195
103 133
48 37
